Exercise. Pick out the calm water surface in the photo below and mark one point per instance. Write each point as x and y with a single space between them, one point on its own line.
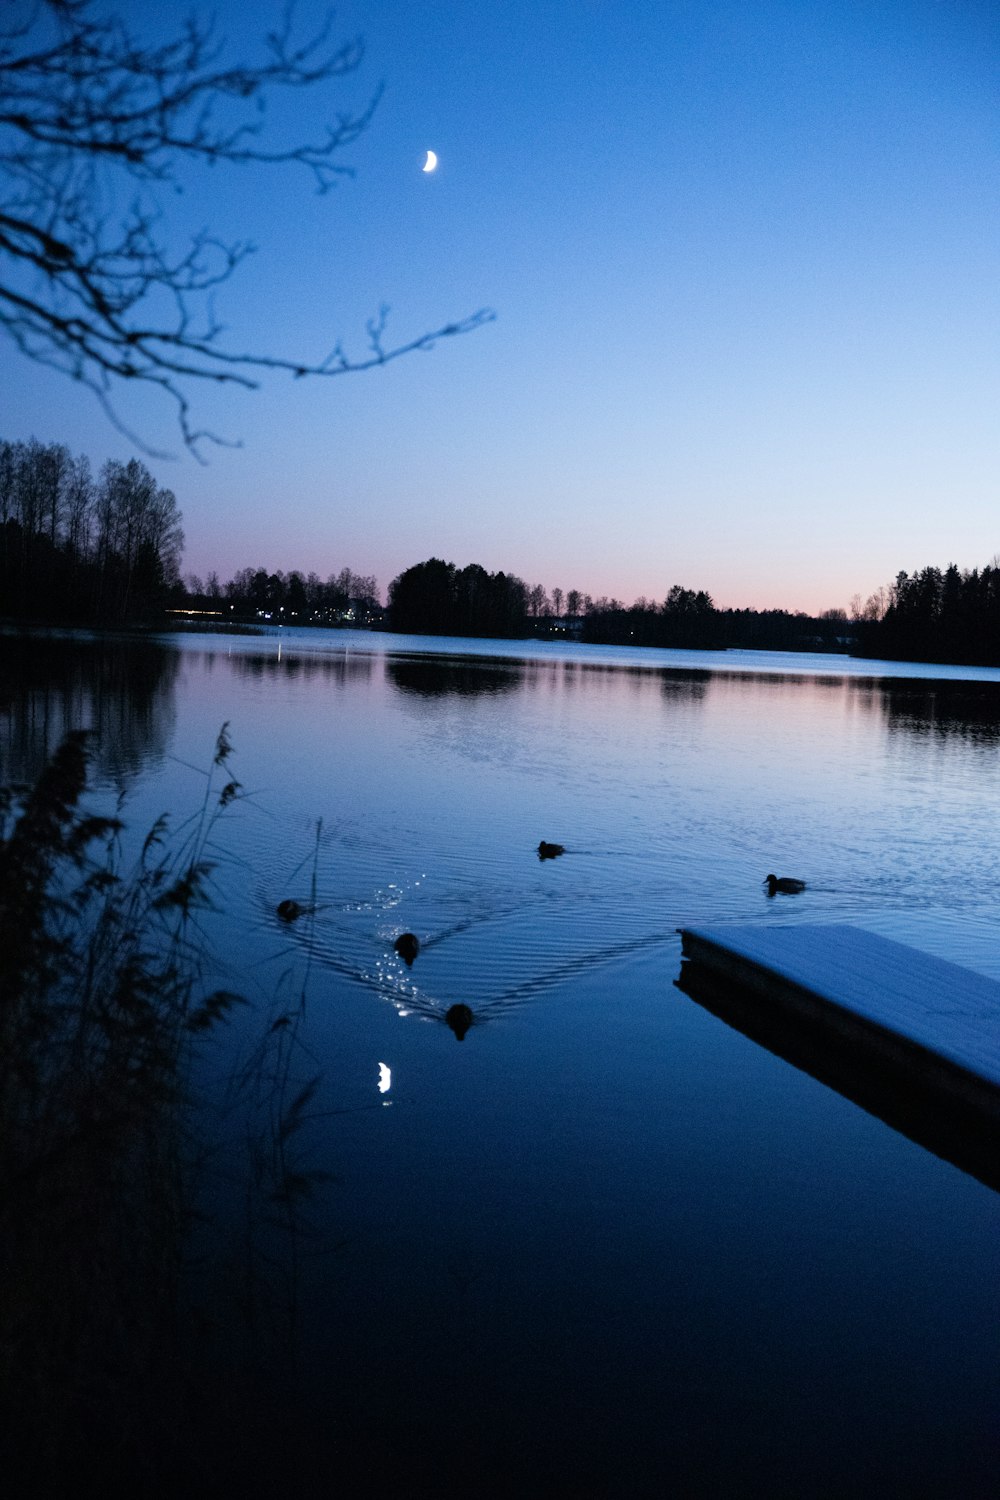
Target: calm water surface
605 1244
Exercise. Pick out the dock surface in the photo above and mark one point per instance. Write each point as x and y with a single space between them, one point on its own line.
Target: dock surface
912 1038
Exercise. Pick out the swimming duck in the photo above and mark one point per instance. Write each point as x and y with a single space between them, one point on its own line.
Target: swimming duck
289 910
550 851
783 883
407 945
459 1018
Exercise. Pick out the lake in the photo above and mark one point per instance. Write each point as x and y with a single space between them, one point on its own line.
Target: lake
602 1244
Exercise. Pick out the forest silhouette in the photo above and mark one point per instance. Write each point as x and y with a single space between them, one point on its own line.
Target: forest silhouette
106 551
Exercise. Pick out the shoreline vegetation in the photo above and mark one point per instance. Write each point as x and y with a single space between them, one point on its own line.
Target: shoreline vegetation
105 553
130 1309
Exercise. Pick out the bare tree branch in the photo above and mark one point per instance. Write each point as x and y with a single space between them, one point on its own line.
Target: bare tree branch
99 298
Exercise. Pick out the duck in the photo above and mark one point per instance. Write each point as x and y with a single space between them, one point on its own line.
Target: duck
784 883
407 945
459 1017
289 910
550 851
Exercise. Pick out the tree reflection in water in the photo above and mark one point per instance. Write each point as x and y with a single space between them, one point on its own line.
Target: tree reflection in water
121 690
440 676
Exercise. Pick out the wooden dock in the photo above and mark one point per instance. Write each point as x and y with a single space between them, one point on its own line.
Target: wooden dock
909 1037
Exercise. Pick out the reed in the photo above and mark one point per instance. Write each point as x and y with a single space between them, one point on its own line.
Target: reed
104 1005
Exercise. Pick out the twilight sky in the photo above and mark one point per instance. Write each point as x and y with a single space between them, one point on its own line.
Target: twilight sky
744 260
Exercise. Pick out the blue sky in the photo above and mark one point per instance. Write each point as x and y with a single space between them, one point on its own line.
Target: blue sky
744 261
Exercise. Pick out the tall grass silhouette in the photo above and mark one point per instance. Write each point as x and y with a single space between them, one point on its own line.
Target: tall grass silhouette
105 1003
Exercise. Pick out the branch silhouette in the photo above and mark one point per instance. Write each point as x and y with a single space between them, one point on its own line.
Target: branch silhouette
99 297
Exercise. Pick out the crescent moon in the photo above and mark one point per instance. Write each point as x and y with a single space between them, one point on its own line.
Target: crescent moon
431 162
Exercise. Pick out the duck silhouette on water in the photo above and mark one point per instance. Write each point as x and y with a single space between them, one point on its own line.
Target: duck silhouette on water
407 945
550 851
459 1018
783 884
290 911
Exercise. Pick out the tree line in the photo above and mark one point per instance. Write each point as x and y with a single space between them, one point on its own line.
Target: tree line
436 598
80 548
930 615
106 549
293 598
936 616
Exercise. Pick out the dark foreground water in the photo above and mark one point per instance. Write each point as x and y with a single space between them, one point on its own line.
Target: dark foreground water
604 1245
